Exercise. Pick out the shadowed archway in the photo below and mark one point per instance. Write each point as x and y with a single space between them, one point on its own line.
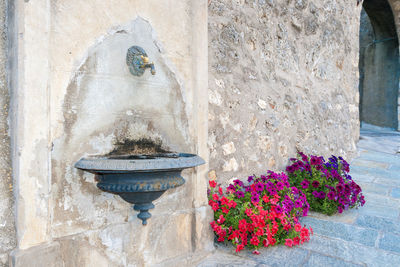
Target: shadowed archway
379 65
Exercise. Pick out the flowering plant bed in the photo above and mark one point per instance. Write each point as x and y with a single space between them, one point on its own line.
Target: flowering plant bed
263 213
328 186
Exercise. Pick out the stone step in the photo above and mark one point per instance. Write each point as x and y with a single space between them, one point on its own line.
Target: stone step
346 232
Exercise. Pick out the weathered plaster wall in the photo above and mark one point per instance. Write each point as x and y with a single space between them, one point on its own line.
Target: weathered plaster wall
7 227
283 75
75 97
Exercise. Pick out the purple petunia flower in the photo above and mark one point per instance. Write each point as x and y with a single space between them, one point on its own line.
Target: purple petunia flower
250 179
331 195
279 186
295 190
289 169
315 184
340 209
307 167
239 194
231 187
259 187
339 188
305 183
322 195
278 209
314 160
315 194
255 198
303 157
298 204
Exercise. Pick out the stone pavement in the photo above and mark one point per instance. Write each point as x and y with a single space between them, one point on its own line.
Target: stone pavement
369 236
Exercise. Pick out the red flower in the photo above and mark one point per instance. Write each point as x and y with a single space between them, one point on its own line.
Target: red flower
265 243
239 247
289 242
221 219
224 201
254 241
215 197
214 206
297 227
248 212
287 227
220 191
265 198
232 204
272 241
296 241
212 183
225 210
256 252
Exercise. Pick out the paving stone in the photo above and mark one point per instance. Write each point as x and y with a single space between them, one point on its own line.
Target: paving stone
352 252
375 172
369 164
343 231
379 223
359 177
281 256
391 182
362 177
375 188
380 157
319 260
396 192
223 259
373 209
390 241
348 216
386 201
395 168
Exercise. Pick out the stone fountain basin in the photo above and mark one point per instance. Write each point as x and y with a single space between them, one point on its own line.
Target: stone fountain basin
139 179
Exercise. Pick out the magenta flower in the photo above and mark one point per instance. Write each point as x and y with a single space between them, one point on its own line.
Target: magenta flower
331 195
315 184
305 183
239 194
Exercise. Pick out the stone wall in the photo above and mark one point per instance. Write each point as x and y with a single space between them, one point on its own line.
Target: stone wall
73 96
379 66
283 76
395 5
7 227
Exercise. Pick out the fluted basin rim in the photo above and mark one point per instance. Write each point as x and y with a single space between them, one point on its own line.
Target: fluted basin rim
125 164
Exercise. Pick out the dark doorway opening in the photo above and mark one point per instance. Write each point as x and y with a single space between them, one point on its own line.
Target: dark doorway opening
379 65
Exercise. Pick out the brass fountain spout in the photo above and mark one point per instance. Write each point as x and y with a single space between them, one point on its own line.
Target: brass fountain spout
138 61
146 65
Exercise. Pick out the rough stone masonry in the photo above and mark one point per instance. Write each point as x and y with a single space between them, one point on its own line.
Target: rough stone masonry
283 76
